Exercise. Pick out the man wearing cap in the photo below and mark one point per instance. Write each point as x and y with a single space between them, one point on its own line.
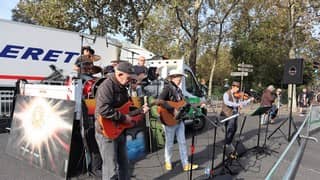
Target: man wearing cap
112 94
110 68
172 92
267 100
230 106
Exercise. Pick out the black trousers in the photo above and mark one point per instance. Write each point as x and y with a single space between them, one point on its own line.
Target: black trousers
92 146
231 127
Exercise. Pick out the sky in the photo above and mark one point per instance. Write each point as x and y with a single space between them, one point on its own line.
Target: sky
5 8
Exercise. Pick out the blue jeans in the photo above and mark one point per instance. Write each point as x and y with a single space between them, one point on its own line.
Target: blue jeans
170 132
115 163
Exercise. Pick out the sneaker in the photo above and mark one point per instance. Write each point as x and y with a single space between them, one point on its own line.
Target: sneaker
230 148
168 166
231 151
189 166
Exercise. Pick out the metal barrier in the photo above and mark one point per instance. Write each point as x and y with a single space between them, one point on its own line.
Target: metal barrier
294 165
6 108
6 103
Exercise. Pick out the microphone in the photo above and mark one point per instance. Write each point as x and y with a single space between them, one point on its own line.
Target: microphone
107 41
95 38
52 67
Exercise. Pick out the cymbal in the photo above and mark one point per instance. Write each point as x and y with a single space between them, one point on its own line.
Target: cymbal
92 58
95 58
118 61
96 69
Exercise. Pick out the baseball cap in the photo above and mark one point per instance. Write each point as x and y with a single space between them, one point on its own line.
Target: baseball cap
125 67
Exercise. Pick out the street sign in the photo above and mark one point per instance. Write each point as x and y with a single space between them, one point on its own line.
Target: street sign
245 65
245 69
239 74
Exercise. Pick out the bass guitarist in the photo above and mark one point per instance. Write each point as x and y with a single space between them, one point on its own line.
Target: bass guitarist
172 92
111 95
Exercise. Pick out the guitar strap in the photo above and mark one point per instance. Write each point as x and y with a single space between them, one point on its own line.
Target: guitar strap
175 93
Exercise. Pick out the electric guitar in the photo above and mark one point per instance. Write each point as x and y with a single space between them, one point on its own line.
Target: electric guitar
112 129
167 117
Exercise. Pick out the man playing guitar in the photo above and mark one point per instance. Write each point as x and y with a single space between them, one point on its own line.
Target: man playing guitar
112 94
172 92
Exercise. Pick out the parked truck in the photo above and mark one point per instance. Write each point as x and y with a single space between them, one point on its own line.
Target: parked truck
33 53
29 51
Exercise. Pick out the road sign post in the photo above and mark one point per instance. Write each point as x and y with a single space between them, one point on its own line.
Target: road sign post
243 69
239 73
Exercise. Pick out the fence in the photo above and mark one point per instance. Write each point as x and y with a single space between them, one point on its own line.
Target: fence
288 170
6 107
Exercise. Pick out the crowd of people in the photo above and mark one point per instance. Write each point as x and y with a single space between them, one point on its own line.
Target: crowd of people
124 80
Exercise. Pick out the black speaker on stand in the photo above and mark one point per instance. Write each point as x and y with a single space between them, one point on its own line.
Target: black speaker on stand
292 74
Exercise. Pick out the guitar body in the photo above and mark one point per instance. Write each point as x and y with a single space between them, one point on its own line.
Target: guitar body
168 118
112 129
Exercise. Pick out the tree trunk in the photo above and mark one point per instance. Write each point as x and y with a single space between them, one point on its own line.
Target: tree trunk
193 55
211 77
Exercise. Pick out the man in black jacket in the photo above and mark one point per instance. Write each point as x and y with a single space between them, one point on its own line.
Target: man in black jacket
112 94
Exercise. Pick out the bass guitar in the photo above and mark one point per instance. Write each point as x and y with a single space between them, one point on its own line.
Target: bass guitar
112 129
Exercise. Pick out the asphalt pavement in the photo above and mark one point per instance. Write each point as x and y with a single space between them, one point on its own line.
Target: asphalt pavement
250 165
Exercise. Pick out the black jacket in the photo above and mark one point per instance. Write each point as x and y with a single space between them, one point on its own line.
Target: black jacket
170 92
111 95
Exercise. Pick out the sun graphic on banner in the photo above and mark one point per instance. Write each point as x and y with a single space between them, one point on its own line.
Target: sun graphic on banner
44 126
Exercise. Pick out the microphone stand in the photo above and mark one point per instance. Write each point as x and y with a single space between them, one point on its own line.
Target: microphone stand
120 46
223 163
192 141
192 148
83 108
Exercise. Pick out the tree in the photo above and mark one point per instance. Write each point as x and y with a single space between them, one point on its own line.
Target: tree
133 16
48 13
163 36
222 11
97 17
223 66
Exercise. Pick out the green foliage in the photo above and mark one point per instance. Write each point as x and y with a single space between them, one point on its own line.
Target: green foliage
162 38
223 66
46 13
198 30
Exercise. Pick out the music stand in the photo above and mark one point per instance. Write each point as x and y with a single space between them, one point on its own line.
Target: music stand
225 169
258 112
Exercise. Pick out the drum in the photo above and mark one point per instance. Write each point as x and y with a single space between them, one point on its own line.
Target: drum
90 87
87 87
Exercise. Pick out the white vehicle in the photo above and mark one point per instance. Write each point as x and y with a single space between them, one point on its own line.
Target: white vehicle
189 86
27 51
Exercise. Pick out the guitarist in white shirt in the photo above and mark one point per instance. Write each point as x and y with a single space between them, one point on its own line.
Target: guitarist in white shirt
172 92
